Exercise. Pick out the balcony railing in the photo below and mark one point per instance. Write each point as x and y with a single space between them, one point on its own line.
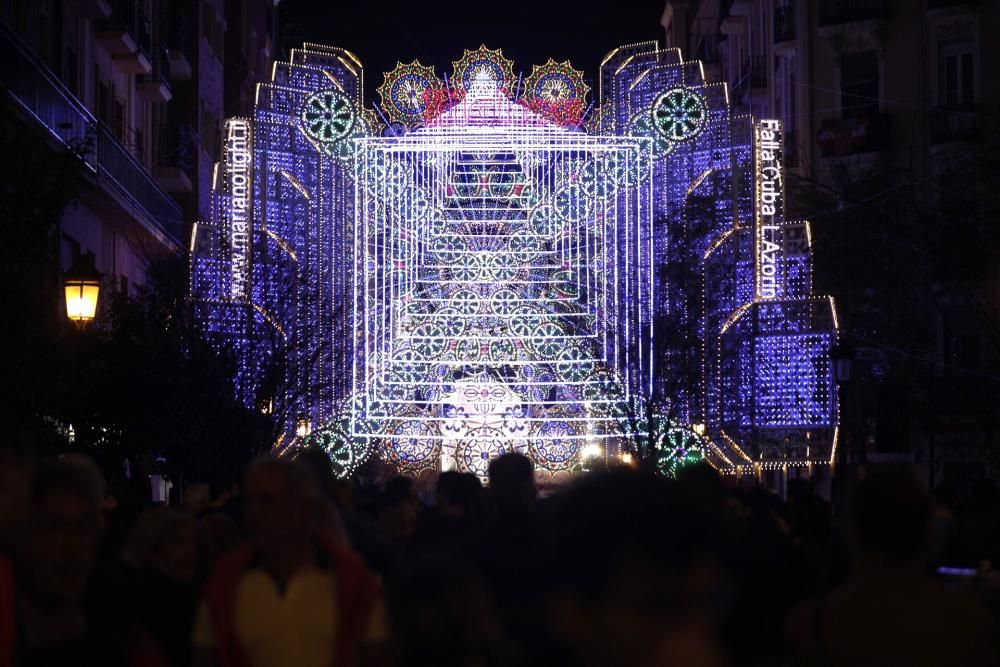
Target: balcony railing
178 148
790 148
944 4
155 86
753 75
41 94
956 123
176 36
852 136
784 24
705 48
128 16
832 12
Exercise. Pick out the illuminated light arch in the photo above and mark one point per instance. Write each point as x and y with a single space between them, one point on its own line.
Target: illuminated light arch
462 242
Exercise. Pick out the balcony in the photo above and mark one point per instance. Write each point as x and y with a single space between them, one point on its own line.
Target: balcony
155 86
176 158
179 45
854 136
40 95
93 9
705 48
962 123
784 24
834 12
125 35
933 5
753 79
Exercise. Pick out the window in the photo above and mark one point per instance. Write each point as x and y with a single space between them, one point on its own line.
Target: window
956 73
118 120
859 92
70 250
72 72
103 100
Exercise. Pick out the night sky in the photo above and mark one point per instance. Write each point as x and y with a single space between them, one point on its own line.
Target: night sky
381 33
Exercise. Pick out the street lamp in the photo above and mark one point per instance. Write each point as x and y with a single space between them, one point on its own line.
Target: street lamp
82 282
842 356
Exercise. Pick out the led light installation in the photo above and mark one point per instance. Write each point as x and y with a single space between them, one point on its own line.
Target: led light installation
482 263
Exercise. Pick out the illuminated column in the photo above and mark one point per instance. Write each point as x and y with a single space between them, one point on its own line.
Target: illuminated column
769 214
238 186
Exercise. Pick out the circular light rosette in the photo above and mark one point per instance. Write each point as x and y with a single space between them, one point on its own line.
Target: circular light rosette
327 116
403 93
679 114
483 65
480 447
676 447
641 126
556 83
552 447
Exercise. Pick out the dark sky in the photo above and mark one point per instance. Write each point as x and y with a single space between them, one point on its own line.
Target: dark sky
380 33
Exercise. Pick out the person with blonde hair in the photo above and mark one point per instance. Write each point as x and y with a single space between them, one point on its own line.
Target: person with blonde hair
295 594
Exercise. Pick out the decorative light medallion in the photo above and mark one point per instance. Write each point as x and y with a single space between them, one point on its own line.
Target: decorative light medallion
641 125
327 116
556 83
676 447
483 64
679 114
403 92
346 451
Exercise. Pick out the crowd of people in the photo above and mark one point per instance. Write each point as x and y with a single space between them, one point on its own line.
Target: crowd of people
292 566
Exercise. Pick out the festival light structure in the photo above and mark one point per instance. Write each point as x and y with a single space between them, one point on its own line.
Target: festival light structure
484 263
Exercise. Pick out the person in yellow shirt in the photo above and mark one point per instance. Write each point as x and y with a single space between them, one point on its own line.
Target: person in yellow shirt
295 594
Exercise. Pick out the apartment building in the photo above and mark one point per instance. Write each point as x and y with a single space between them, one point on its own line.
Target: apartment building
139 87
888 107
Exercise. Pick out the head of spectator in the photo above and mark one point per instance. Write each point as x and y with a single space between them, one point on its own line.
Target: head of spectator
318 460
889 515
399 508
15 474
441 613
197 497
222 491
285 511
164 541
512 483
631 567
458 494
65 524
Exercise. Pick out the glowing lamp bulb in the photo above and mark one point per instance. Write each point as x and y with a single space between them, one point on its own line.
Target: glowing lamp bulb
82 284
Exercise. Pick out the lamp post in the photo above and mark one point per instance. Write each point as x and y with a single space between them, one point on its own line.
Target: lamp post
82 284
842 356
303 427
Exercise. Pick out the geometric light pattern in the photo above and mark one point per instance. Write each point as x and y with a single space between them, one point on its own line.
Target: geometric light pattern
677 447
328 116
502 276
679 114
505 267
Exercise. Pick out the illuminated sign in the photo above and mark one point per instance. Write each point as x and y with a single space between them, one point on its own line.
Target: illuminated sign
238 144
767 135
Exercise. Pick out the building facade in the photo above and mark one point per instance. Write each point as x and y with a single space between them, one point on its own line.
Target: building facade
887 108
136 87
